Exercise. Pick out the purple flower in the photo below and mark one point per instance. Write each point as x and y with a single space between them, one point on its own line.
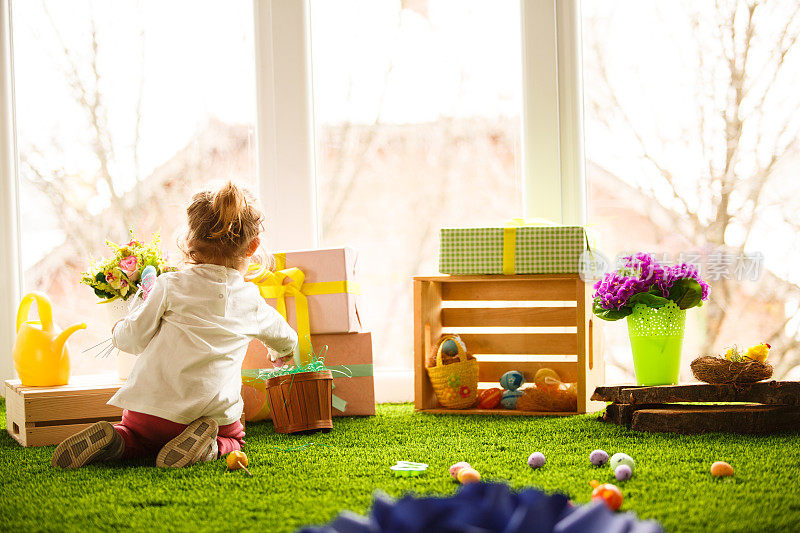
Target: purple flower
641 273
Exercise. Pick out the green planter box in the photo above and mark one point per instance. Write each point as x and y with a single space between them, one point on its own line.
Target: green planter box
511 250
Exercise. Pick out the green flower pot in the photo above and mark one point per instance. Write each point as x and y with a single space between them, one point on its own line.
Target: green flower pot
656 341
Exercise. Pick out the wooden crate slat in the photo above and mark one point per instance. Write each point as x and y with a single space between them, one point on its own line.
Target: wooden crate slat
490 371
69 407
49 435
692 419
765 392
544 290
510 317
521 343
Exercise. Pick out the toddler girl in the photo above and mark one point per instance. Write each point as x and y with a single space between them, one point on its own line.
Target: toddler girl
182 401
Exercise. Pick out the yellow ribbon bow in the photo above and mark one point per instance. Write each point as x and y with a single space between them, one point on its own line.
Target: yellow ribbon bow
274 285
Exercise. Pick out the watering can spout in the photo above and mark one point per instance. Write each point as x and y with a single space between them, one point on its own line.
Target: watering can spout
62 337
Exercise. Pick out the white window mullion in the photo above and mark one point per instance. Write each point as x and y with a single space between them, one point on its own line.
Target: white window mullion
10 271
286 148
552 120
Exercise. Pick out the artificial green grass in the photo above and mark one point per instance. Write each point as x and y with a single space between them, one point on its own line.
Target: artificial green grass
290 489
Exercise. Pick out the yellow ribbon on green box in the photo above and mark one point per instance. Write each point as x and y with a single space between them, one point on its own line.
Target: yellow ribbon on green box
510 240
285 282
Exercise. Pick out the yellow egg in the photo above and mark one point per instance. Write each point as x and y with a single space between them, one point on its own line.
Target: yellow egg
468 475
542 375
721 468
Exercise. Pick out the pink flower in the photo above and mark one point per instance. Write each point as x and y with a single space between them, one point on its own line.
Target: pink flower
114 278
132 243
130 266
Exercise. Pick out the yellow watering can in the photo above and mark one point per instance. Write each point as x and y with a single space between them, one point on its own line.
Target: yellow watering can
40 352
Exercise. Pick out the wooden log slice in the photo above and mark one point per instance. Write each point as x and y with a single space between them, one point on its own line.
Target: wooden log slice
692 419
767 392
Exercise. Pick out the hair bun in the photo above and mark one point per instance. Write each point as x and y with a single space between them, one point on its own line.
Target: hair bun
227 205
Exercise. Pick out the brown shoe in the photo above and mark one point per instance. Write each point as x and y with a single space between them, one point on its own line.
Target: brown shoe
98 442
195 443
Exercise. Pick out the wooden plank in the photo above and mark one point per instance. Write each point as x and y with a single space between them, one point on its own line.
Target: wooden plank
98 382
521 317
427 329
90 405
612 393
48 435
521 343
766 392
542 290
692 419
502 412
490 371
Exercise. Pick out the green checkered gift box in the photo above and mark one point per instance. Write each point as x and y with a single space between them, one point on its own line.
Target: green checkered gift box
514 249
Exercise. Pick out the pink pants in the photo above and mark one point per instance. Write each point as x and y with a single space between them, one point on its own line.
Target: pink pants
144 435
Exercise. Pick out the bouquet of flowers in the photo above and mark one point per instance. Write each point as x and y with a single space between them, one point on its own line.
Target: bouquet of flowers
642 280
119 276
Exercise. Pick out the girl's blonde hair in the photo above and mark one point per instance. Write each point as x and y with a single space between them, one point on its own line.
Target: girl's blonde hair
221 226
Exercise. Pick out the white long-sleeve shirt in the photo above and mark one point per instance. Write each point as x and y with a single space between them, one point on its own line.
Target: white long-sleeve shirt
191 335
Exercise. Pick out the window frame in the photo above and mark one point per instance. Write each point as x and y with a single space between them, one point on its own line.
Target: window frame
554 183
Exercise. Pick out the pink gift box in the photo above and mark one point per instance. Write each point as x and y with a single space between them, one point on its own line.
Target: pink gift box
328 313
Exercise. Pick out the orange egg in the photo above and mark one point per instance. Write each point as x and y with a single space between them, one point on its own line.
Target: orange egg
608 493
721 468
468 475
236 460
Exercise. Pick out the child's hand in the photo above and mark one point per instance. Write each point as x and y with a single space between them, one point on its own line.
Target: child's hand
283 361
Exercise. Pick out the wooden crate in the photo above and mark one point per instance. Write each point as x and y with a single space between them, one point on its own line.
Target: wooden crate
39 416
533 301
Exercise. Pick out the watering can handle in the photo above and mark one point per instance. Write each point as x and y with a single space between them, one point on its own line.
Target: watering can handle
42 304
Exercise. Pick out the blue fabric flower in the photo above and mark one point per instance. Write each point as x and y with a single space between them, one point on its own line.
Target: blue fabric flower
486 508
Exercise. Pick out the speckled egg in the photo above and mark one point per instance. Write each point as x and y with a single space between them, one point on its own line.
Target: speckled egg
721 468
623 472
449 347
621 459
536 460
456 468
598 457
512 380
468 475
510 398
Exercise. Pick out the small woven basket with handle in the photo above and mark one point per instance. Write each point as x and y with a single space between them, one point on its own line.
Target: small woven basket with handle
455 384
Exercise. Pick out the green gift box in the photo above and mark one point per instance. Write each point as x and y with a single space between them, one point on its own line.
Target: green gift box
513 249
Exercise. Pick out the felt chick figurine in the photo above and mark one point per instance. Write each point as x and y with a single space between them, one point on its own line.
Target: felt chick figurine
759 353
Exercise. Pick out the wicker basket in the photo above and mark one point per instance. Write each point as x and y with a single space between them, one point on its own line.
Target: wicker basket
455 384
301 402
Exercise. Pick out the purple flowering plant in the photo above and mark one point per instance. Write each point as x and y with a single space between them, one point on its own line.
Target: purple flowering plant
642 280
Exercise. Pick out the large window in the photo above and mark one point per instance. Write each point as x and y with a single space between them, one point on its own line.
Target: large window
123 110
692 121
418 106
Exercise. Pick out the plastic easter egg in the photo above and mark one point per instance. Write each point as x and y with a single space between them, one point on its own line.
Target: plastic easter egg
489 398
510 398
468 475
623 472
621 459
456 468
449 347
598 457
512 380
721 468
547 378
536 460
609 494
